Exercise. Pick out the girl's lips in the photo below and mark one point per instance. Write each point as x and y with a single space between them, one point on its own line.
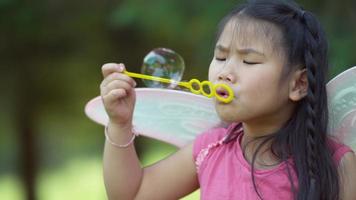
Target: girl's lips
223 93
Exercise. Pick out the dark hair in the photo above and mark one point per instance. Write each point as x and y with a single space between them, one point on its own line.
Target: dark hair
304 136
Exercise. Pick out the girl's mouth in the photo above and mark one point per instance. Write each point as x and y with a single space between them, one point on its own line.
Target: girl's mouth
222 92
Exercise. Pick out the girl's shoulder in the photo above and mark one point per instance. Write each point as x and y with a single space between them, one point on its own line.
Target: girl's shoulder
212 139
217 134
207 138
338 149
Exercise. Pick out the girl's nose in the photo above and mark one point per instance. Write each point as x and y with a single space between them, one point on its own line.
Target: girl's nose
226 76
228 73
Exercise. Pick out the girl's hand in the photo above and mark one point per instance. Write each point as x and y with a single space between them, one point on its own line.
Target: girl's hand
118 94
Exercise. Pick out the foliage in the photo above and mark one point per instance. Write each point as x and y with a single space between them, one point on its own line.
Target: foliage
51 53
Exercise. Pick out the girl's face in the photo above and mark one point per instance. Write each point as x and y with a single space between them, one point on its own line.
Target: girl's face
246 59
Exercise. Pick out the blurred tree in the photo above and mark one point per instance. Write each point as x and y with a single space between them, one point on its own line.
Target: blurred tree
51 53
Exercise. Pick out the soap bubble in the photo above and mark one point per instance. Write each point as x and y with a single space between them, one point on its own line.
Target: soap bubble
164 63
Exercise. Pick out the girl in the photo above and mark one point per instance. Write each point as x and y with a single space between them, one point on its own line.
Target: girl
273 54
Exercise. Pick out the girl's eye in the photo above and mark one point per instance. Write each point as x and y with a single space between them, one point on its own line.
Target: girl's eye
220 59
251 63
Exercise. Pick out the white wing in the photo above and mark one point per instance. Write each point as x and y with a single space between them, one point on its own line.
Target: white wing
176 117
342 107
172 116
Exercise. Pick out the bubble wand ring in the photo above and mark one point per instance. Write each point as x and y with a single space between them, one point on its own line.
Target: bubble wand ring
194 85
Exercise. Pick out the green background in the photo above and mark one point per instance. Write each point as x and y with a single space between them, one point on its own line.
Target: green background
51 53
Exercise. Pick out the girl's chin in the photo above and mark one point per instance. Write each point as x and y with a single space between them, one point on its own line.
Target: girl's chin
227 115
220 102
229 119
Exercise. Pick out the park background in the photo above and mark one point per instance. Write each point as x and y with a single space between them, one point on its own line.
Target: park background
51 53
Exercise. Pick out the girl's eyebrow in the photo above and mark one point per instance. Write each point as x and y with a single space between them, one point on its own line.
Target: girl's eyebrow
245 51
221 48
249 51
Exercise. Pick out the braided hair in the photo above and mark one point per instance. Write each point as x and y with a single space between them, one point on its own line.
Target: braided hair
303 137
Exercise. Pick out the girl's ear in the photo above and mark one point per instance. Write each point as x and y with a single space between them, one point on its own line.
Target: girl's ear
298 85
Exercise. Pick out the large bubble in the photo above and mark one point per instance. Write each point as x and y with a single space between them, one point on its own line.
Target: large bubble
164 63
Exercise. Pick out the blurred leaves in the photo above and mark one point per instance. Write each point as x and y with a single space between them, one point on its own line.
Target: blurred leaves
51 53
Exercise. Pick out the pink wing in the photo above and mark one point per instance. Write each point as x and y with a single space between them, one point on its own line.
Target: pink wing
158 110
172 116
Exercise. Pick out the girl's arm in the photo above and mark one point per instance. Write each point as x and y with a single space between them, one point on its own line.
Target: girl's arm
171 178
124 178
122 170
347 171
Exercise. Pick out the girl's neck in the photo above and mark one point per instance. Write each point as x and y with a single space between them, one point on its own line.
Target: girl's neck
252 138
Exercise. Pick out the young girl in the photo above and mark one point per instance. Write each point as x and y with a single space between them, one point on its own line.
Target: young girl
273 54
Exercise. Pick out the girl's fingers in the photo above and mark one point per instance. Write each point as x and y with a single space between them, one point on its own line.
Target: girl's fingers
109 68
115 94
117 76
114 85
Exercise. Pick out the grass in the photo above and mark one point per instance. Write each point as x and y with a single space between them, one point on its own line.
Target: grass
11 187
78 178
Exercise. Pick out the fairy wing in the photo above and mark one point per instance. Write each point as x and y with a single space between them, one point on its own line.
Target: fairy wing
172 116
176 117
342 107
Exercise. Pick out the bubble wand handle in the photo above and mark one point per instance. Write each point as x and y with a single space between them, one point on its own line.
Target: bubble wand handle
194 85
155 78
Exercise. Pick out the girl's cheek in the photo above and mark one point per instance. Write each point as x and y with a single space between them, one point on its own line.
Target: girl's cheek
211 77
212 72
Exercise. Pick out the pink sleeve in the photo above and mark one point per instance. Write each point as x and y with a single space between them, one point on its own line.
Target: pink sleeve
198 144
203 140
338 150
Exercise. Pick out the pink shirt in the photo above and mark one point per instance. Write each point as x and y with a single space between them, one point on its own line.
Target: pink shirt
224 173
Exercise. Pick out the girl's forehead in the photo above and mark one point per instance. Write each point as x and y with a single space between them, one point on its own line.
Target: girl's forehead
243 32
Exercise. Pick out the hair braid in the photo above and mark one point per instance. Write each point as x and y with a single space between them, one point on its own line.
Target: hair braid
304 136
313 110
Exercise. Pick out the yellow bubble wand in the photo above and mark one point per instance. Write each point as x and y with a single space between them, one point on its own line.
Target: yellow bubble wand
194 85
